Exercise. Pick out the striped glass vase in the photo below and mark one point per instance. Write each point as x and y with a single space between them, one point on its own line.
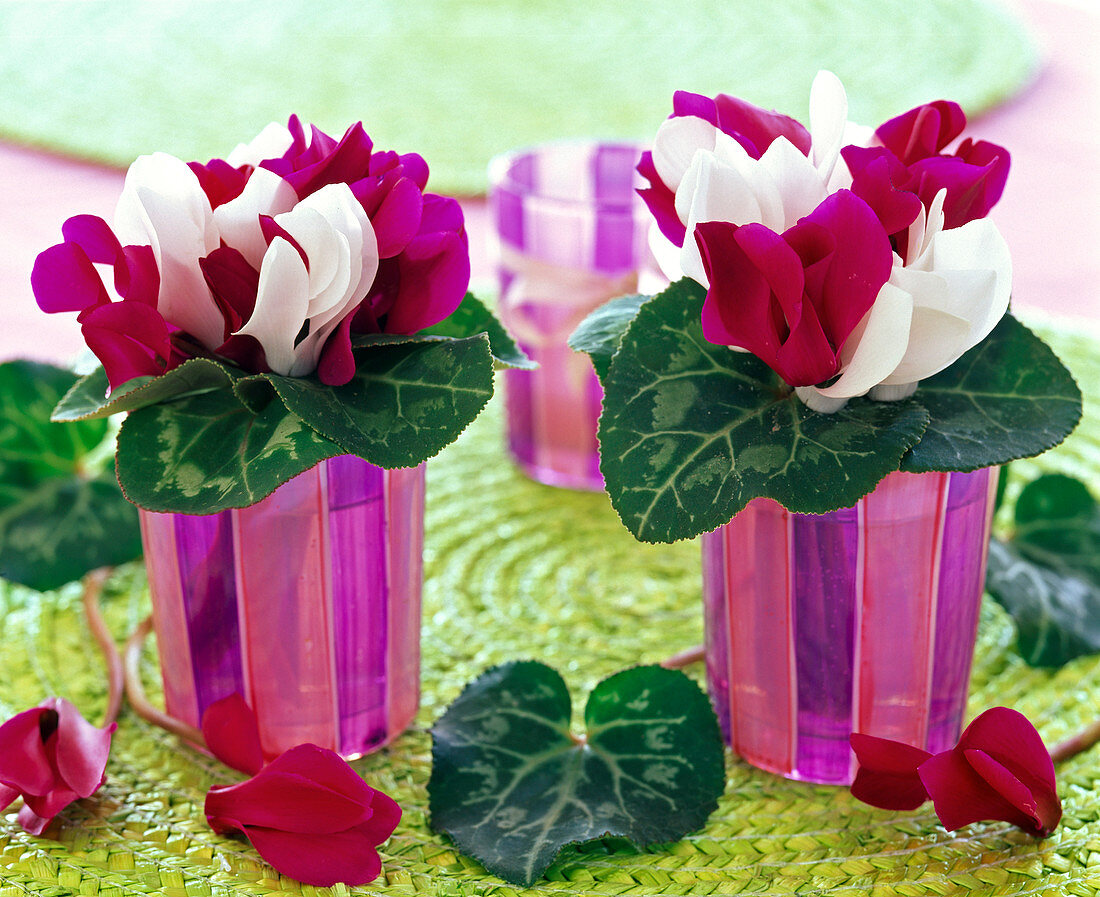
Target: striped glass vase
306 603
571 233
860 620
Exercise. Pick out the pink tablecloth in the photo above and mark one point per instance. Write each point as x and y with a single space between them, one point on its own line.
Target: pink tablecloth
1047 213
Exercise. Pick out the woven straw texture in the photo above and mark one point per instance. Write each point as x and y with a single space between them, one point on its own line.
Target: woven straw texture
515 569
460 81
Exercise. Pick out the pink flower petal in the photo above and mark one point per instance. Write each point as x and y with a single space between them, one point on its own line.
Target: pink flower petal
138 278
321 860
220 181
860 264
337 363
756 128
233 284
130 338
24 764
922 131
397 220
1010 738
961 796
887 775
82 749
661 201
31 822
434 276
385 815
414 166
306 789
94 235
7 795
63 279
232 734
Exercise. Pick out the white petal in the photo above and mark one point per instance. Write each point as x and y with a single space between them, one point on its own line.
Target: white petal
666 254
281 302
238 220
796 180
936 339
271 142
163 205
828 118
675 144
977 245
877 345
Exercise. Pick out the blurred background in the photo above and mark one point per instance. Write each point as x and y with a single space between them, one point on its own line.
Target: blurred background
85 87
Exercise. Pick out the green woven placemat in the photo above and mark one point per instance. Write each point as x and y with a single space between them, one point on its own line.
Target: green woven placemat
515 569
460 80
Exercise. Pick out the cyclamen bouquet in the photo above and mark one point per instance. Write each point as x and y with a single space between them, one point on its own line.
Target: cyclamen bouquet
302 298
854 266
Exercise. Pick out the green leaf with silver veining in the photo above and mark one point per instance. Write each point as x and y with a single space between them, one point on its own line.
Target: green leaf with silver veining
471 318
63 528
601 332
405 402
61 512
692 431
1048 576
1057 614
208 452
88 398
1009 397
512 786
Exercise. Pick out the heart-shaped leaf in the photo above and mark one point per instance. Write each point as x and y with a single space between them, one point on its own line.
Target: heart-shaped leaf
601 332
61 512
692 431
89 399
207 452
471 318
405 402
512 785
1048 576
1009 397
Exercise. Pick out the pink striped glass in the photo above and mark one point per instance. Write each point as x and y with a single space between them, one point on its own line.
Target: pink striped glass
307 603
571 234
861 620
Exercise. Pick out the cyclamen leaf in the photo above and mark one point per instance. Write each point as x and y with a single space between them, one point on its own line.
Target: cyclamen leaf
473 317
512 786
405 402
1057 614
61 512
1009 397
1048 576
692 431
88 398
208 452
601 332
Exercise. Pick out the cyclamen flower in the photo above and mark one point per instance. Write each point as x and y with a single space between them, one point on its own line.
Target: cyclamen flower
307 813
51 756
1000 769
950 276
716 174
271 258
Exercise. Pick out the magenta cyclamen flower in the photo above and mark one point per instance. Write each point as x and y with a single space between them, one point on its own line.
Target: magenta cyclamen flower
793 299
50 756
270 258
1000 769
906 168
307 813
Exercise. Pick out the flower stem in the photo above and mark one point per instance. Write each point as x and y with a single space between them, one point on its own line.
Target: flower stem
684 658
93 588
135 691
1075 744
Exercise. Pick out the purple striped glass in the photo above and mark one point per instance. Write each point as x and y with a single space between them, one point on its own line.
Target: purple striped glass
571 234
861 620
307 603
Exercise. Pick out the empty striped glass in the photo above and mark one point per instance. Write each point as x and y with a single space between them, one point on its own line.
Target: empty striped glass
860 620
306 603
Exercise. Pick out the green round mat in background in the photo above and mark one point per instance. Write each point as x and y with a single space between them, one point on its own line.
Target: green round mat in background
515 570
460 80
